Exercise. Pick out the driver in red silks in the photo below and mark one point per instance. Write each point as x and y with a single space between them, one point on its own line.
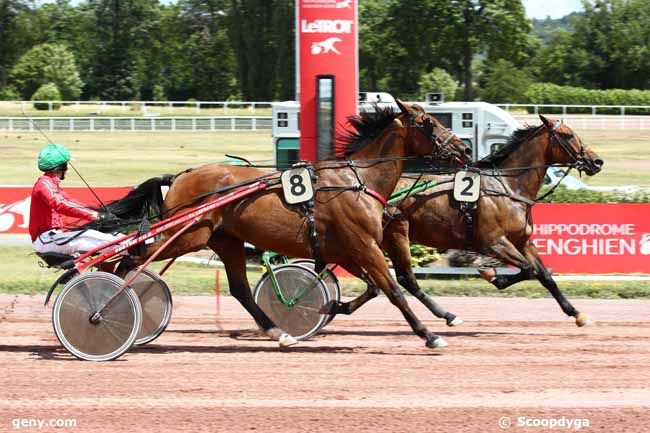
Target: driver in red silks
49 203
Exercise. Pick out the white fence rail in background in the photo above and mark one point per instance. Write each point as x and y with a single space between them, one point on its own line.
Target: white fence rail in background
145 106
256 123
616 110
584 122
142 124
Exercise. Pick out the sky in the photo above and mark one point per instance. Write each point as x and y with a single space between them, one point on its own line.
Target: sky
553 8
534 8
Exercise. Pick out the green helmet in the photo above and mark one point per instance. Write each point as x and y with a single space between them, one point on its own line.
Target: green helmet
51 156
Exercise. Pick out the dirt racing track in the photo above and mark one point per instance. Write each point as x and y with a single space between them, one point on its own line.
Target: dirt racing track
366 373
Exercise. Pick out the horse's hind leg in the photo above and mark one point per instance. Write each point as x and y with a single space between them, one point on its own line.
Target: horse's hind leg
504 281
231 251
544 277
396 244
504 250
336 307
375 265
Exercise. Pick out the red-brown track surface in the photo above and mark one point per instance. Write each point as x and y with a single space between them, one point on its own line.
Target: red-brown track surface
365 373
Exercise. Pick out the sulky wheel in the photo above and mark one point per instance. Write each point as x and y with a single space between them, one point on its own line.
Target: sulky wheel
101 338
328 277
295 306
156 302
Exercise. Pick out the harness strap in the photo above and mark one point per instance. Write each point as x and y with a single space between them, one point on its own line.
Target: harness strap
467 211
374 194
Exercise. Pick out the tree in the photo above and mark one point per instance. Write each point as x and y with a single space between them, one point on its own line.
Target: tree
253 39
73 26
47 92
497 28
47 63
373 43
408 48
422 35
124 33
607 48
504 82
11 43
207 63
438 80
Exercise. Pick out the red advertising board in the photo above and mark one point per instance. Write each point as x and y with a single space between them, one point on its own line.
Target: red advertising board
593 237
571 238
327 45
15 202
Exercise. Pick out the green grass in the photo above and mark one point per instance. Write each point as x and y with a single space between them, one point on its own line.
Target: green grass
8 109
21 274
626 154
127 158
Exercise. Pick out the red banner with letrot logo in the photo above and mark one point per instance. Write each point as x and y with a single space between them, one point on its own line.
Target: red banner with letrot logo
327 45
593 238
15 202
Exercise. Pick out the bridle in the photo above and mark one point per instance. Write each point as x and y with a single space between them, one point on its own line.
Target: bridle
441 148
578 157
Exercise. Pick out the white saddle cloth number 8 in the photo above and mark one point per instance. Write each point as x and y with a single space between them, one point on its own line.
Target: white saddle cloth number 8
296 185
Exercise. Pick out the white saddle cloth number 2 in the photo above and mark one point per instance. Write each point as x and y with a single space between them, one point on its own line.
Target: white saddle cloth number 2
296 185
467 186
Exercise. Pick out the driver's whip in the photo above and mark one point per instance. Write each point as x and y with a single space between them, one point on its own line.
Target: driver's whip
35 125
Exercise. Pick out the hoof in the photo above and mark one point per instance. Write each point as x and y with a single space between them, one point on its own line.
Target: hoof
436 343
274 333
456 321
488 274
286 340
583 320
330 308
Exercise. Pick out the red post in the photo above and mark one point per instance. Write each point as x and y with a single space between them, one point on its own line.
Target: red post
217 289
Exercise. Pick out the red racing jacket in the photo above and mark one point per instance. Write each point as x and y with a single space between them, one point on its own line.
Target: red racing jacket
50 203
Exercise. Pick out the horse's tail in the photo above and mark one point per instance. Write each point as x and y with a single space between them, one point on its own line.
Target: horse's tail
144 200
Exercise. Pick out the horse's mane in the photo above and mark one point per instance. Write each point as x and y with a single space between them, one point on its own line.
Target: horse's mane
517 138
366 127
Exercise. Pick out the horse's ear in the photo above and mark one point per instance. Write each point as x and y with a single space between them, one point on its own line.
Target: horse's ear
401 106
546 122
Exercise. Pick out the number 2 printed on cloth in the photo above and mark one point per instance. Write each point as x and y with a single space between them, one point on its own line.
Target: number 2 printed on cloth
467 186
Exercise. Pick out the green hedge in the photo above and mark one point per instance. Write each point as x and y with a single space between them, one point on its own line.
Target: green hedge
47 92
547 93
564 195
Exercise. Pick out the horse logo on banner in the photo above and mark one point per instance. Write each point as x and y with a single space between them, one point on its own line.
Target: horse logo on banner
325 46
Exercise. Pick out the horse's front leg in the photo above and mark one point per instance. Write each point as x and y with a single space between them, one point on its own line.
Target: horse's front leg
372 260
544 277
530 264
396 244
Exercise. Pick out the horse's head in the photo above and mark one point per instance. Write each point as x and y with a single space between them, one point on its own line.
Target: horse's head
426 136
567 148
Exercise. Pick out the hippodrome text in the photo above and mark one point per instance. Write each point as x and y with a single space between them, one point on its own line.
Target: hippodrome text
580 239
